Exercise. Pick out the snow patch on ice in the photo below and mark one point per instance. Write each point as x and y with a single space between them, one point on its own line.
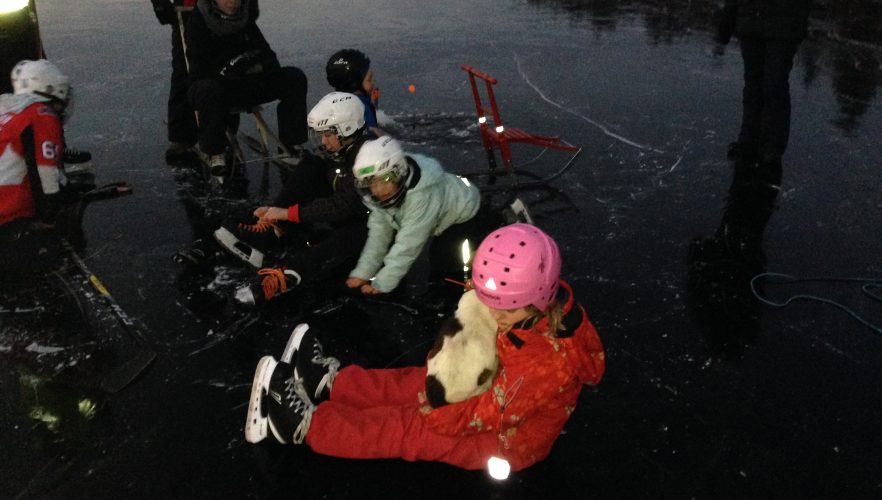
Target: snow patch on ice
42 349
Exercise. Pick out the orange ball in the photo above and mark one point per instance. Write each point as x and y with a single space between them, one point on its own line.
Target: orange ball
411 88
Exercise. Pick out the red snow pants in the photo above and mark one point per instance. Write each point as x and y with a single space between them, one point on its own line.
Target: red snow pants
376 414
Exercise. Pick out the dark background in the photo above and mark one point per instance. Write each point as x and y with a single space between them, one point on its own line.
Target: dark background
707 393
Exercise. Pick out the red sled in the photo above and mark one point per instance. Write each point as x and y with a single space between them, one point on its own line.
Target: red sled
495 135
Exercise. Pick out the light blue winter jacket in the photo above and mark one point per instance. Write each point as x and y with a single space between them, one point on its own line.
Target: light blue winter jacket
438 201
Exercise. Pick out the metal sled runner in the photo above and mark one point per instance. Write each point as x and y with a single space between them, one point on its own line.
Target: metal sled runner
495 135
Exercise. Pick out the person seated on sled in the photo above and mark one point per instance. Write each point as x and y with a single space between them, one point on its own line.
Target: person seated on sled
32 179
411 199
547 349
318 191
349 70
233 66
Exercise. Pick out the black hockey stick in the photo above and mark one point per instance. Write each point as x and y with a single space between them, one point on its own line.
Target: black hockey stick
126 373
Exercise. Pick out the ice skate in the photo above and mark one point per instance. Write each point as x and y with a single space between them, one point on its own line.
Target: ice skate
270 283
249 241
315 370
199 255
277 405
520 211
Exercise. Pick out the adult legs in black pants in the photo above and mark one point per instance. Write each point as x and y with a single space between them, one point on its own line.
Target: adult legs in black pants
181 119
765 124
213 99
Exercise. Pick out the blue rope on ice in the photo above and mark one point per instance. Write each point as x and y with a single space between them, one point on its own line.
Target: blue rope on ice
867 288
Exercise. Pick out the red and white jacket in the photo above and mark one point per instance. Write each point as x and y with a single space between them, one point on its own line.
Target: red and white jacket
30 133
535 389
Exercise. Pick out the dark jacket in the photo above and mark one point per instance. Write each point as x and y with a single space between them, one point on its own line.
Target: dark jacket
344 205
230 56
767 19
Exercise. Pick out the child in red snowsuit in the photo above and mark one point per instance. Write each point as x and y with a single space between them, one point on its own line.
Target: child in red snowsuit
31 170
547 350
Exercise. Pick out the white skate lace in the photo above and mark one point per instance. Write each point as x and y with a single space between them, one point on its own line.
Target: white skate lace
298 400
331 365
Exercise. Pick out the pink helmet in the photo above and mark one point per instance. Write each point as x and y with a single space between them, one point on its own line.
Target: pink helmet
516 266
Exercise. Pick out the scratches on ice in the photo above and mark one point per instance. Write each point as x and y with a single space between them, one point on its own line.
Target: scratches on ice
601 126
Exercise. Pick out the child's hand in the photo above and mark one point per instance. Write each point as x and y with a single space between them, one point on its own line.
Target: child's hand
260 211
353 282
275 213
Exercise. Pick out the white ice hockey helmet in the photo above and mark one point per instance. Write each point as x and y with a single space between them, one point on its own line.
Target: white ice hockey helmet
42 79
337 111
381 158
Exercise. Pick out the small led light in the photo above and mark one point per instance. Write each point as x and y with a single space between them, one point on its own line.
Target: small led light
482 120
498 468
466 252
499 129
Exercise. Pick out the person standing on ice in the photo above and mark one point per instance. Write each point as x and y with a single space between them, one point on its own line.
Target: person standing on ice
233 66
770 32
31 170
349 70
411 199
547 347
181 119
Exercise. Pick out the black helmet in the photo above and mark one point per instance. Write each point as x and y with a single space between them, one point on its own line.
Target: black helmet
346 70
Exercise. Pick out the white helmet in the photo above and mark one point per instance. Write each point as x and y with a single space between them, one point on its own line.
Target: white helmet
382 158
42 79
338 111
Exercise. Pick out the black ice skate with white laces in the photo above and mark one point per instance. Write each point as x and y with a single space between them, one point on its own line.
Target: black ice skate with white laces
315 370
278 404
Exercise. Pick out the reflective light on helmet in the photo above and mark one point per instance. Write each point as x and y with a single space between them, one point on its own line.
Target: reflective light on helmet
7 6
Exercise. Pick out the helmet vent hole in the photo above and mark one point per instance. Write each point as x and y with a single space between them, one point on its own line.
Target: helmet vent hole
502 283
485 262
523 243
506 269
511 256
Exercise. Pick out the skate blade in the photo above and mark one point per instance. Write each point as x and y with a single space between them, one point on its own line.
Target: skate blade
294 342
521 211
239 248
256 421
